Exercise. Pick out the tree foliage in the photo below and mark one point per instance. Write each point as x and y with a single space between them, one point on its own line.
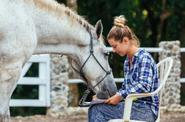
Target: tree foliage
152 20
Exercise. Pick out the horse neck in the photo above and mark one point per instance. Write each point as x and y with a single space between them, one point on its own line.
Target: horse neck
58 29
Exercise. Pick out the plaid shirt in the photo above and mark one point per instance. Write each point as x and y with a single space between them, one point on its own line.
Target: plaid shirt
141 77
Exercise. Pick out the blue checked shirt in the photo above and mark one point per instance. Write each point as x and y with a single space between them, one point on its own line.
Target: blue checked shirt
141 77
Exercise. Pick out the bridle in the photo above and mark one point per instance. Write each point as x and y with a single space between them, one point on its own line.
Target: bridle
82 102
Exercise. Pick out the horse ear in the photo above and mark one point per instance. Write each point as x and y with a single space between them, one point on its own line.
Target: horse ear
99 28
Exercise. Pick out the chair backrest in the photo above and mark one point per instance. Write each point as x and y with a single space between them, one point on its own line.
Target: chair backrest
164 68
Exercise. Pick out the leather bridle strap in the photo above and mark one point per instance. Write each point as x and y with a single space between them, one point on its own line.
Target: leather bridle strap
89 87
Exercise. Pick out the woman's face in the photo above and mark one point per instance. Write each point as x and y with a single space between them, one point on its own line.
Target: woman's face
120 48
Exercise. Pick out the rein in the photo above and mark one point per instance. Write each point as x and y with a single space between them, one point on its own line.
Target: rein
82 102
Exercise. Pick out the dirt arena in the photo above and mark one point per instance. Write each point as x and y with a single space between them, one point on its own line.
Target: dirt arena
38 118
167 117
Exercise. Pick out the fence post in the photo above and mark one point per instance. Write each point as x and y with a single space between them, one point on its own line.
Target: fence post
59 85
171 94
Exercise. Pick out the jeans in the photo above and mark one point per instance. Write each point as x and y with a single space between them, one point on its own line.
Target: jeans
105 112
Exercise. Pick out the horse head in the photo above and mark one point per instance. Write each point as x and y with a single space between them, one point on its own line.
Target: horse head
91 62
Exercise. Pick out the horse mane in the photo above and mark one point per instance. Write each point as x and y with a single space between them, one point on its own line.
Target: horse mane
60 10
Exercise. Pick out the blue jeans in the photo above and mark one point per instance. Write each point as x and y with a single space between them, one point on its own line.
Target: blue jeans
105 112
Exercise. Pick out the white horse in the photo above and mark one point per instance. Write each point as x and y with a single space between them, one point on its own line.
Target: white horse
43 26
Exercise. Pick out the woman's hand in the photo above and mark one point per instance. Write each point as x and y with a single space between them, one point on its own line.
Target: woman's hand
94 97
114 100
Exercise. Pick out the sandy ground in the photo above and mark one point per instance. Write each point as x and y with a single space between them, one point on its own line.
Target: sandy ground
167 117
39 118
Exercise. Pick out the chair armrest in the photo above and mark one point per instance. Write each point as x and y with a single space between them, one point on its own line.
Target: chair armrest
128 103
139 95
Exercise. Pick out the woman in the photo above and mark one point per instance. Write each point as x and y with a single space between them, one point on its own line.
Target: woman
140 72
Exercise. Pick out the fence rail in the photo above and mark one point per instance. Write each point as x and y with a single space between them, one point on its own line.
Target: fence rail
149 49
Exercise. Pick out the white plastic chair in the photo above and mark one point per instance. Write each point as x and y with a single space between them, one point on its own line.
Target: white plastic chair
164 68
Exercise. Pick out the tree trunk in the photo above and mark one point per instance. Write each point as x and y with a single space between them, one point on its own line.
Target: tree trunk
72 4
164 15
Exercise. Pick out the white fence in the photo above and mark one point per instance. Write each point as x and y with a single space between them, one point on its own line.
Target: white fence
43 82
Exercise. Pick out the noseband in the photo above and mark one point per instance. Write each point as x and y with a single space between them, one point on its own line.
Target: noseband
82 102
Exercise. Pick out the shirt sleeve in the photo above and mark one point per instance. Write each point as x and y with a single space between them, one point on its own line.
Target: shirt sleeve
144 82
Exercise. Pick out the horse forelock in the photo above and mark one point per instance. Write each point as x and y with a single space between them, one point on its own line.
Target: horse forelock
61 10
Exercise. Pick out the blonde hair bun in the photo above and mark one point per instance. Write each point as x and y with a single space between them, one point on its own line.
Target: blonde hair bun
120 21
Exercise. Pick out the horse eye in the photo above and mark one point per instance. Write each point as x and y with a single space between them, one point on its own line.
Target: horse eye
106 53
